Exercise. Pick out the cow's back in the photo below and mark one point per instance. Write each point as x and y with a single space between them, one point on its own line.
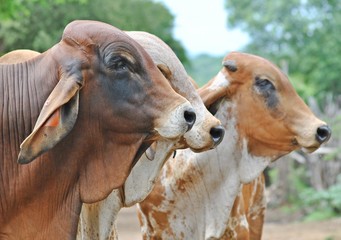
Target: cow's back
18 56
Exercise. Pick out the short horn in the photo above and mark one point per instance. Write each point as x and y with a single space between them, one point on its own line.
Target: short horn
230 65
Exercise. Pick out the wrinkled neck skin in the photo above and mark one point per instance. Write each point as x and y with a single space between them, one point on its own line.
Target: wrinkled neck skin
198 189
26 189
97 221
44 197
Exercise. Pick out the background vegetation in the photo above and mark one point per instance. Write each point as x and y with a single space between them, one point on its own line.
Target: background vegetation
303 37
38 24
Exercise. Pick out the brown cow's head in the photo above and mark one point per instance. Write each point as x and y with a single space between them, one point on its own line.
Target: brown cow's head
108 87
269 114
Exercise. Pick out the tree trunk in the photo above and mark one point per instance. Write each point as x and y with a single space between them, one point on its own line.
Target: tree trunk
315 171
280 190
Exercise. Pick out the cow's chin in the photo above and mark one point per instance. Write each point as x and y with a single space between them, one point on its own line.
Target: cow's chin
310 149
201 147
184 143
199 150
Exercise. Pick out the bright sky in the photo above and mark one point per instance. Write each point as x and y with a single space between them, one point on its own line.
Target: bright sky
201 27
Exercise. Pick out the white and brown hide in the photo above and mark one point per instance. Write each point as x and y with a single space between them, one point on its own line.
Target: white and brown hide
98 220
264 119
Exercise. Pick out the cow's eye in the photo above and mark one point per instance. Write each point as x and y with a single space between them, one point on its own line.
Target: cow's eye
267 90
118 64
264 84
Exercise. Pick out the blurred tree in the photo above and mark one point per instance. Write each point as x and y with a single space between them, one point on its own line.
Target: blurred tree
9 8
204 67
38 24
304 34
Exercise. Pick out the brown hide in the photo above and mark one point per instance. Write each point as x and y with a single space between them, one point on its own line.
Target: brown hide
95 98
265 97
18 56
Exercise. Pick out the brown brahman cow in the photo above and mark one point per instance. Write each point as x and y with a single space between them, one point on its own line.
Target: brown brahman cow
98 220
84 112
264 119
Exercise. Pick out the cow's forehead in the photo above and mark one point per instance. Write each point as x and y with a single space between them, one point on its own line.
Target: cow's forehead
250 62
86 33
255 66
81 29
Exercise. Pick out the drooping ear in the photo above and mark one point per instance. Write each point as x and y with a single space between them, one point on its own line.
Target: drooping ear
211 95
212 98
165 71
55 120
219 86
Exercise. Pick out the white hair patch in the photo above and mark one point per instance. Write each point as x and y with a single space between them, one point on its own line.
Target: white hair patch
219 81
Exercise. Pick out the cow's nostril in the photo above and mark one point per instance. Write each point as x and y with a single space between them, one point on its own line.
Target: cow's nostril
323 134
190 117
217 134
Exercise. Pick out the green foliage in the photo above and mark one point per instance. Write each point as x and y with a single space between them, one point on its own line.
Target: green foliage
38 24
321 204
313 204
306 34
303 87
204 67
10 8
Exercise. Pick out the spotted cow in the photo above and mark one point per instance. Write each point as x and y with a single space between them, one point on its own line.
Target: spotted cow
264 119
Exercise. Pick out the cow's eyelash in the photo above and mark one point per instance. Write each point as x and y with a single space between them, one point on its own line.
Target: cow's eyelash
118 63
264 84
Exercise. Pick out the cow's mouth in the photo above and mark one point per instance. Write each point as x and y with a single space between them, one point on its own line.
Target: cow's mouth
144 148
150 152
306 147
310 149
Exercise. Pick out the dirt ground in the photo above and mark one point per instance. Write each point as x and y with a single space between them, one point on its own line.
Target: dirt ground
285 226
274 228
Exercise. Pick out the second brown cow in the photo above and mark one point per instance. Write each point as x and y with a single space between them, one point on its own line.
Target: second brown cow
264 119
